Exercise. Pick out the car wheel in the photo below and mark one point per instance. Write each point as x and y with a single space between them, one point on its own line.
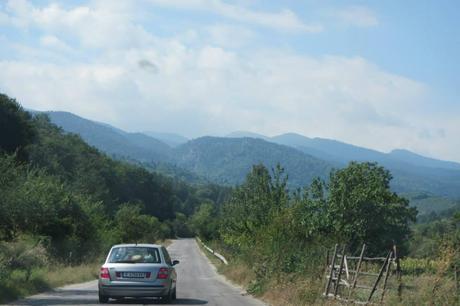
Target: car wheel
167 299
103 299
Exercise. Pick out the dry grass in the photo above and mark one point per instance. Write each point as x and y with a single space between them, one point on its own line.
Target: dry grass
297 292
62 275
425 290
240 274
237 273
428 289
45 278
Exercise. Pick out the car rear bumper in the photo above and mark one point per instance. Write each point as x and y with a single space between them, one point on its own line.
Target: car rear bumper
133 290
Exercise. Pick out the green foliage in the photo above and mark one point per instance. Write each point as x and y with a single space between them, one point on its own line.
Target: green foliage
252 206
181 227
364 210
134 227
433 240
280 233
16 131
204 221
36 203
227 161
23 255
55 186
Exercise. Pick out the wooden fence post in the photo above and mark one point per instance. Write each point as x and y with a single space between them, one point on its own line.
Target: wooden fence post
387 273
398 272
456 272
331 274
379 277
358 269
337 285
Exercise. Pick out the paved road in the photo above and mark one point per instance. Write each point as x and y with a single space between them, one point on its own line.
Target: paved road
198 284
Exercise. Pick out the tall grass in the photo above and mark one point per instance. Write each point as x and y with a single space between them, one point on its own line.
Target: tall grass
19 285
424 282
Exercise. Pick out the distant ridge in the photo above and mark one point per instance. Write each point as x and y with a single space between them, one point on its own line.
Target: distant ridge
416 159
243 134
226 160
337 151
171 139
112 140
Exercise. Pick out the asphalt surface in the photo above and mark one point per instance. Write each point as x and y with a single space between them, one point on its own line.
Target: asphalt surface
198 284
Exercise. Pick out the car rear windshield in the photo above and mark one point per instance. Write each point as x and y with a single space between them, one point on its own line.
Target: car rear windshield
134 255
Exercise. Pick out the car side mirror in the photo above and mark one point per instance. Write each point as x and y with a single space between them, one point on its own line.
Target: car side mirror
175 262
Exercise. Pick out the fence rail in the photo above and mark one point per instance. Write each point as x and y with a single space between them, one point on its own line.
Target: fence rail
343 282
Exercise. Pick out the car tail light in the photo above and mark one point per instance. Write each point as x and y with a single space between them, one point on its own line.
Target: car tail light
163 273
105 273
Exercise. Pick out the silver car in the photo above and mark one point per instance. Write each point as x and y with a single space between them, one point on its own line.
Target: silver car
138 270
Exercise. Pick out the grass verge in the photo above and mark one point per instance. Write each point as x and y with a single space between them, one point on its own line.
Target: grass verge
41 279
302 290
292 291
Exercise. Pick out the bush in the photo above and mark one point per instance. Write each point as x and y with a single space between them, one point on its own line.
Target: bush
135 227
25 254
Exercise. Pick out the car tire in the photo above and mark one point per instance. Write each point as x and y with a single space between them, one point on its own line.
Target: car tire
103 299
167 299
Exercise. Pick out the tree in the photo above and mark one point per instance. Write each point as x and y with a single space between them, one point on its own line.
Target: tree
204 222
16 131
135 227
363 209
253 205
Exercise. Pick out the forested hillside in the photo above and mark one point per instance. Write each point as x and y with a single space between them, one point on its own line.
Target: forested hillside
412 173
226 160
64 201
111 140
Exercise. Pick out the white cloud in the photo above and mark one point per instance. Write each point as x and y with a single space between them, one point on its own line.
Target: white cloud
96 26
210 90
282 20
51 41
229 36
360 16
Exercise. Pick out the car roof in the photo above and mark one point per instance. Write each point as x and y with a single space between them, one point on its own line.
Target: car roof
137 245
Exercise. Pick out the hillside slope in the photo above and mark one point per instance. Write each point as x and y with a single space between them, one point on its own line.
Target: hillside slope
228 160
112 140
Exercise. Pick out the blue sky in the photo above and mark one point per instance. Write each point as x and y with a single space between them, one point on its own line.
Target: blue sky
380 74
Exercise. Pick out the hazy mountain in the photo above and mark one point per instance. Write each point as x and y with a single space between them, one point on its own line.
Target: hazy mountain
343 152
171 139
112 140
228 160
242 134
419 160
332 150
340 152
411 172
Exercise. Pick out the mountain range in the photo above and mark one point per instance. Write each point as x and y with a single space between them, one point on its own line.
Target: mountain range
227 160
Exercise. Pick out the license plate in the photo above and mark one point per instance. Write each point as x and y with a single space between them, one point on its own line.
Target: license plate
133 274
